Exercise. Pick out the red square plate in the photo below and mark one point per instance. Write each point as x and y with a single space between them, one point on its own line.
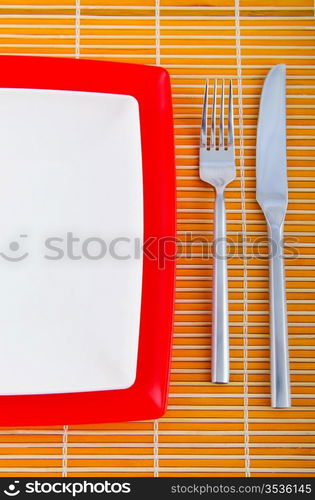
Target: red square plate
146 398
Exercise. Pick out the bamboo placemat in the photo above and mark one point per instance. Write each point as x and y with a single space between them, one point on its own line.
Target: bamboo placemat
208 430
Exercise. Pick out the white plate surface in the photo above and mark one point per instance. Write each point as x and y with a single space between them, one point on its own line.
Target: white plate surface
70 183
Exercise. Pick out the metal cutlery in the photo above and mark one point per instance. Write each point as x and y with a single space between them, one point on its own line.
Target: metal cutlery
272 195
217 167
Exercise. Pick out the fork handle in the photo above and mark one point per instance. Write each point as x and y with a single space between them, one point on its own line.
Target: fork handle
280 375
220 327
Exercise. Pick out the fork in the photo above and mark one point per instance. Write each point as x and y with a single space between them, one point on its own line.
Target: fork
217 167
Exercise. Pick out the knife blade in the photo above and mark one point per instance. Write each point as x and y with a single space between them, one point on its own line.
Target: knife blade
272 195
271 166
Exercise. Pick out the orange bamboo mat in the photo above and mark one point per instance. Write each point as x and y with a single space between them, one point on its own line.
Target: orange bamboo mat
208 430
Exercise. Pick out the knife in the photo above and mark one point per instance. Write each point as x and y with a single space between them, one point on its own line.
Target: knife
272 196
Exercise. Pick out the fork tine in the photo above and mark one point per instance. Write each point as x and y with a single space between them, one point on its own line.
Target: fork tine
213 117
230 118
221 129
203 132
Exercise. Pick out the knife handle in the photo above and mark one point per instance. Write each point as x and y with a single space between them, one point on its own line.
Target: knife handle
279 359
220 327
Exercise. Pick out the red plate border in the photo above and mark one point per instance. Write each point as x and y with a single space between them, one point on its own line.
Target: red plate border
147 397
